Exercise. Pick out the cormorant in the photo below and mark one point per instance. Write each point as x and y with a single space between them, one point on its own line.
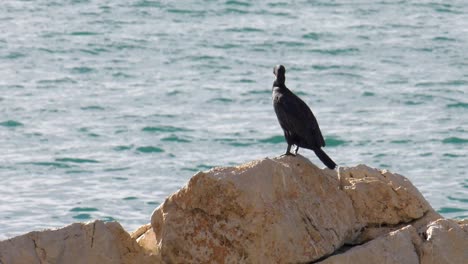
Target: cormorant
296 119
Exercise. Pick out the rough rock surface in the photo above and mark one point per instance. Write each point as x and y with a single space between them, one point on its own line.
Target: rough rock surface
441 241
95 242
394 248
145 237
268 211
446 241
286 210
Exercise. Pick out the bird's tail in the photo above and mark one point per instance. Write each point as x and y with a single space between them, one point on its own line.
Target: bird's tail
325 159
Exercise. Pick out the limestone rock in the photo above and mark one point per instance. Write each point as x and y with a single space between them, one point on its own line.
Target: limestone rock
394 248
446 242
146 238
382 198
283 210
95 242
442 241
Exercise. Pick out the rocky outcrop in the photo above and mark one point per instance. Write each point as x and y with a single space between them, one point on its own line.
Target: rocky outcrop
268 211
95 242
281 210
394 248
443 241
286 210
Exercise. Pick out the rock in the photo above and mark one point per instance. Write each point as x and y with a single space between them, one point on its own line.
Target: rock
382 198
146 238
397 247
95 242
442 241
283 210
267 211
374 231
446 242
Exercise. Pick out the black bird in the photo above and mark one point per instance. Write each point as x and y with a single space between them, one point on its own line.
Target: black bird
296 119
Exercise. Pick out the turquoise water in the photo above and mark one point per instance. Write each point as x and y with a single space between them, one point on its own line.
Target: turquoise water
107 107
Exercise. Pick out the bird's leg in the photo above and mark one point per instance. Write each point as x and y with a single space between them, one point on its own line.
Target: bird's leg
296 150
288 151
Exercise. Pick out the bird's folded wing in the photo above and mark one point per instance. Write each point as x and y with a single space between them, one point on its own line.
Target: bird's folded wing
295 116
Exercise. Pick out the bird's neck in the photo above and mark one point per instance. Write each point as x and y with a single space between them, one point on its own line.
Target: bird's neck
279 82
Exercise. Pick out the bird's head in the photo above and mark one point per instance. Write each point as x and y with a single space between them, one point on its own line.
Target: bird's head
279 71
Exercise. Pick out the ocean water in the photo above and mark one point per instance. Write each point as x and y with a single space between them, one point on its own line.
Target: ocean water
107 107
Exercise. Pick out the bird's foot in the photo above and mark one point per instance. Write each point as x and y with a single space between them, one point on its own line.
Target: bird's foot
288 154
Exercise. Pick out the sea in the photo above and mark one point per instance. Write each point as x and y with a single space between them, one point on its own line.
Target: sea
109 106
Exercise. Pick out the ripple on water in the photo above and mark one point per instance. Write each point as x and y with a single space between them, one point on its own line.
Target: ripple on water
451 155
76 160
258 92
238 11
226 46
14 55
117 169
312 36
444 39
458 105
448 210
58 165
79 172
108 219
426 154
123 147
273 140
336 52
189 12
64 80
291 44
368 94
120 178
240 144
203 167
83 33
221 100
334 142
11 123
189 169
149 149
130 198
463 200
82 217
147 3
244 30
84 209
446 83
82 70
400 141
200 167
237 3
410 102
246 81
174 138
171 129
92 108
455 140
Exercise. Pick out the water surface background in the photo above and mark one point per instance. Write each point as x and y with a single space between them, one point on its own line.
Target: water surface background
107 107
